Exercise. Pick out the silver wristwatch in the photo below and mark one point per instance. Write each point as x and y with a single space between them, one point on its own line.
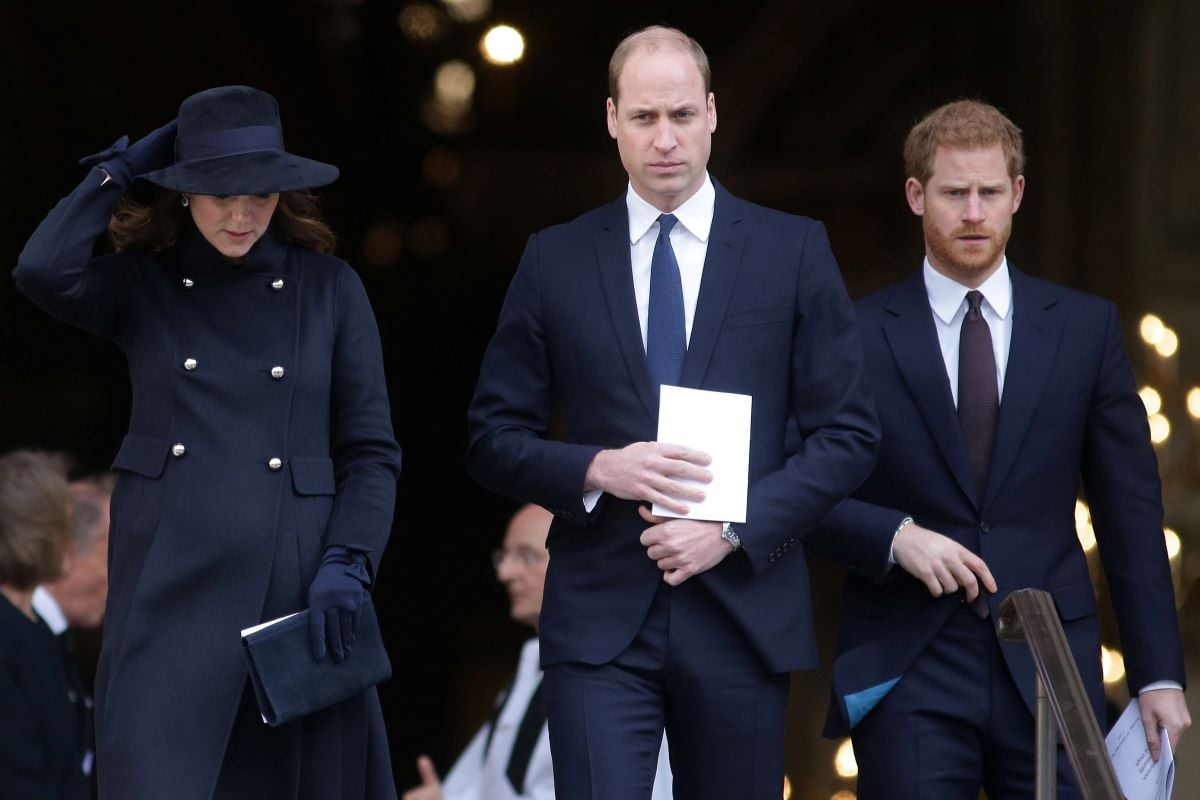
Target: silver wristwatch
731 536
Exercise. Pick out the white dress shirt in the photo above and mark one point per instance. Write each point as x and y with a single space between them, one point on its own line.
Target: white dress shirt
480 775
948 300
49 610
689 240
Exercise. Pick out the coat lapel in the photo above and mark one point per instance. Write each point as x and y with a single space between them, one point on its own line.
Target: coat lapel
616 277
913 340
1036 331
725 243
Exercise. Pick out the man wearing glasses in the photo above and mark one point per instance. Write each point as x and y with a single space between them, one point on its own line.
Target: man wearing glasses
509 758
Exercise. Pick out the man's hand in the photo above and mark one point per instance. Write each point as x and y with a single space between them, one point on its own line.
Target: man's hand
683 547
649 471
1163 708
431 787
941 563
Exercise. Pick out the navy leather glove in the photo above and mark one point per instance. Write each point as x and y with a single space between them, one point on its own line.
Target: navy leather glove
124 161
335 600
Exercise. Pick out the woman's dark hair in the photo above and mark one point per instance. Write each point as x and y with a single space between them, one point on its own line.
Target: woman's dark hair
154 223
35 518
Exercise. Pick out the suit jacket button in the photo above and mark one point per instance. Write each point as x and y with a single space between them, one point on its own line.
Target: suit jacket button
983 528
178 450
275 464
188 283
189 364
276 372
277 284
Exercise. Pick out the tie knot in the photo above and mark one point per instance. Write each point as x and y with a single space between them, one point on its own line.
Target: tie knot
665 223
974 301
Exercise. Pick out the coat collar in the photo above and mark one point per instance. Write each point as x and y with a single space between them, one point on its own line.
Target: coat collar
192 252
726 239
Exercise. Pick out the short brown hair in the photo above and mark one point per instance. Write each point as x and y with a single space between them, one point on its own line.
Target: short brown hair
35 518
155 224
965 124
653 39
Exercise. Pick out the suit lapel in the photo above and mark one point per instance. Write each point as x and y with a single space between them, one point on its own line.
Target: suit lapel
725 243
1036 331
913 340
616 278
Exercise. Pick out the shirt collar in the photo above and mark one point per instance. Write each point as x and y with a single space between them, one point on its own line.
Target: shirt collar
946 295
46 607
696 213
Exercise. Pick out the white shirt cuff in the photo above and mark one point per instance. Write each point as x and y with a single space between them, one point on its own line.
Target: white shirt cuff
591 498
1152 687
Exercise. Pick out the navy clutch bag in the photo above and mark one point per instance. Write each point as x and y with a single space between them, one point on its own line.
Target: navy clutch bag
289 683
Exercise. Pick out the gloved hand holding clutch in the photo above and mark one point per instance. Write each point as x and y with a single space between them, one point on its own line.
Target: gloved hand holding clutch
335 600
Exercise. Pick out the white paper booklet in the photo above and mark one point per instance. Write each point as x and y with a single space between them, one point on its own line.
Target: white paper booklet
247 631
1140 777
717 423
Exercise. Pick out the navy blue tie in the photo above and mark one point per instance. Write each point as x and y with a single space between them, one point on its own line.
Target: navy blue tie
666 339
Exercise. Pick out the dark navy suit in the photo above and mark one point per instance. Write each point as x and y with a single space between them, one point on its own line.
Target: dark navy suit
773 321
1068 411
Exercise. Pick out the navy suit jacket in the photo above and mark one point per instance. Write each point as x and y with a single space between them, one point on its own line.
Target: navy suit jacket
772 321
1069 410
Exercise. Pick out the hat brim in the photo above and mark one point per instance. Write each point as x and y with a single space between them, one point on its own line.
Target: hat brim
262 172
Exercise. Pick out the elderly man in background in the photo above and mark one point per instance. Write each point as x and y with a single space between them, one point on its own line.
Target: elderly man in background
509 758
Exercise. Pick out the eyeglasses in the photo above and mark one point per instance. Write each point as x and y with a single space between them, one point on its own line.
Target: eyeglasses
524 558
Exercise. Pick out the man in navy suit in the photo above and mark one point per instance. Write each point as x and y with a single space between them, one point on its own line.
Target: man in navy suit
997 393
688 624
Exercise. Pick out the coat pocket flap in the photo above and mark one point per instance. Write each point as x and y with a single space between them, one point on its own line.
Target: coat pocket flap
144 455
758 316
313 475
1075 600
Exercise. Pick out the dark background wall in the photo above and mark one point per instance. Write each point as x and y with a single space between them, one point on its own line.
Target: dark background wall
814 101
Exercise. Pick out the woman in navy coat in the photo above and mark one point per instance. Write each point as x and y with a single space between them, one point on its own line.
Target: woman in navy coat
258 475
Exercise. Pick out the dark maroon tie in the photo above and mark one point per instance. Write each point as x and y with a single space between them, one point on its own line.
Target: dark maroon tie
978 398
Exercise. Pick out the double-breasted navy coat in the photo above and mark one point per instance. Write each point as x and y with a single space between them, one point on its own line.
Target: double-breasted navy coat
260 434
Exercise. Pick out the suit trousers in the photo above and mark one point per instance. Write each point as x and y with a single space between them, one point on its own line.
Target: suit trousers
689 669
955 723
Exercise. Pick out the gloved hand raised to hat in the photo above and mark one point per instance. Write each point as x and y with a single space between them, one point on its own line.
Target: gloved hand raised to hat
335 600
124 161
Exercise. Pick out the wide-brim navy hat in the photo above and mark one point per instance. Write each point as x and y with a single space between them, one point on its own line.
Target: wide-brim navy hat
230 142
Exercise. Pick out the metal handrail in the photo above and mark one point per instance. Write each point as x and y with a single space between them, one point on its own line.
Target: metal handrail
1029 615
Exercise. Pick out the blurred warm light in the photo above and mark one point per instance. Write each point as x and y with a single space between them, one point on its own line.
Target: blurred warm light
844 761
1160 428
503 45
1151 398
448 119
421 22
1193 402
1083 514
787 788
429 237
1113 664
844 794
1174 543
454 82
1151 329
382 244
1087 536
467 10
440 168
1168 344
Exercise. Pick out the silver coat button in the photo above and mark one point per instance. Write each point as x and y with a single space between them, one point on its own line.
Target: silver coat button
275 464
277 284
189 364
188 283
178 450
276 372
